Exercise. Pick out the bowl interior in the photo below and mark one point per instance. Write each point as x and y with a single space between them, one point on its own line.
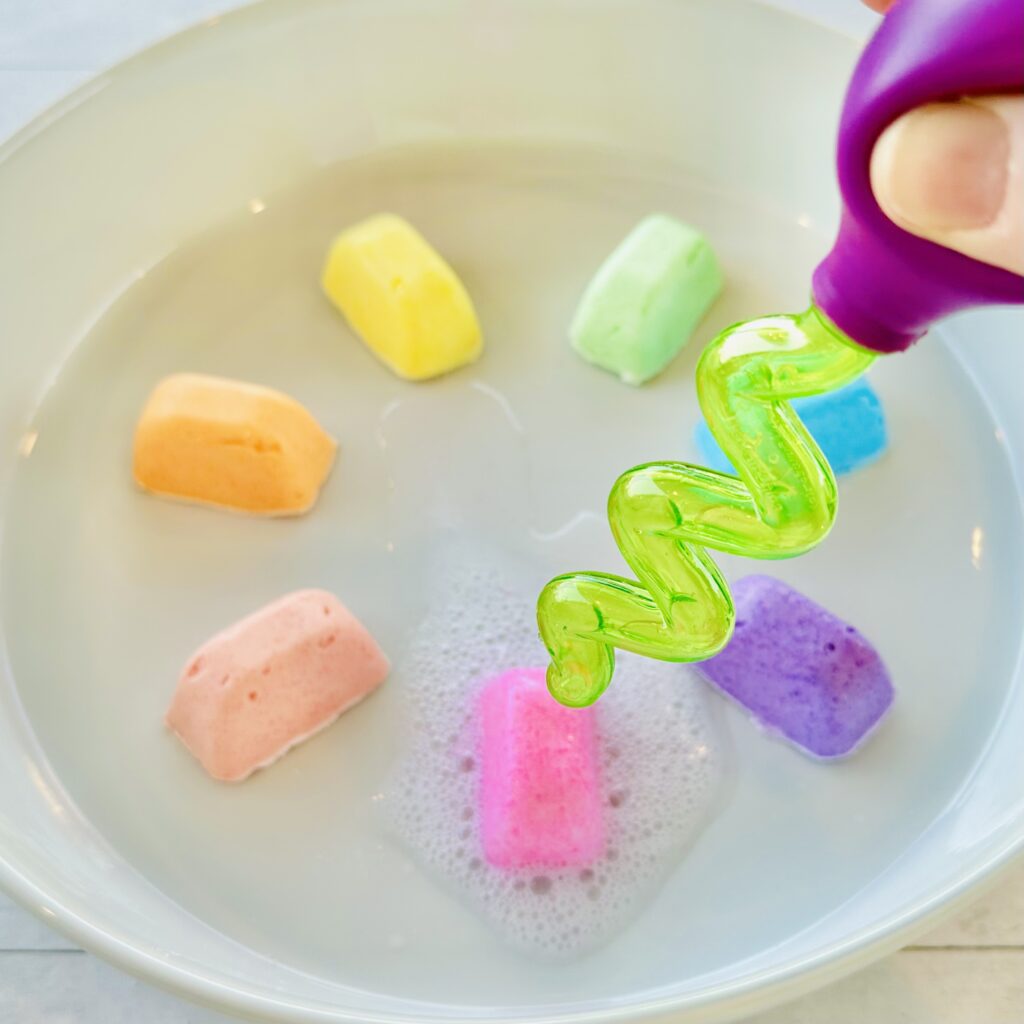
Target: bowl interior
173 216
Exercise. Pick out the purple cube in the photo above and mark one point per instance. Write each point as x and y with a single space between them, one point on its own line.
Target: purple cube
800 671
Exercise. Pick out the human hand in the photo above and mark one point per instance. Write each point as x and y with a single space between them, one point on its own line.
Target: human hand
954 173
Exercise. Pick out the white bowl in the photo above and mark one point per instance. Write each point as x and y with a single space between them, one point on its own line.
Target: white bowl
172 215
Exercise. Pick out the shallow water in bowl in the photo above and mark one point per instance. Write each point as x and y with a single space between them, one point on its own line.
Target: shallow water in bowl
661 769
106 592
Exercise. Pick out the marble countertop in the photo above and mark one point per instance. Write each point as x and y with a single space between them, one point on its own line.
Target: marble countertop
968 971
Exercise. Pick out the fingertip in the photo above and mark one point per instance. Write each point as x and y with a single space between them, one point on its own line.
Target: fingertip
953 173
943 167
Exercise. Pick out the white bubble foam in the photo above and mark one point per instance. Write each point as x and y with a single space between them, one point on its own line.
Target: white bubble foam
661 761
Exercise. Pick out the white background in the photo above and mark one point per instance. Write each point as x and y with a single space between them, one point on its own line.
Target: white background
969 971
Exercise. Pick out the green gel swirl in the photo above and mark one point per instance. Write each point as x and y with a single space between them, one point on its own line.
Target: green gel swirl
664 515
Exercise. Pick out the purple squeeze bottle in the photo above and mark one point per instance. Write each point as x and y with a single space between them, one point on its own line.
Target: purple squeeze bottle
881 286
877 291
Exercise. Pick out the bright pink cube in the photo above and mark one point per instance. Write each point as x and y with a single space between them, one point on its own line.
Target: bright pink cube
540 786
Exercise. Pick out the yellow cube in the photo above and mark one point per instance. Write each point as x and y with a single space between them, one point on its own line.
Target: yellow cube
227 443
401 298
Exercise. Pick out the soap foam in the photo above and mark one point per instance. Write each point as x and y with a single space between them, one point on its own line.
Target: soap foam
661 766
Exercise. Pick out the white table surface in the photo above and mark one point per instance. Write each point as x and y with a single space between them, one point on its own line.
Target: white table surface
970 970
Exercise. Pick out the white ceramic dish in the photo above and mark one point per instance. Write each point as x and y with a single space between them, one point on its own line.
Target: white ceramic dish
172 215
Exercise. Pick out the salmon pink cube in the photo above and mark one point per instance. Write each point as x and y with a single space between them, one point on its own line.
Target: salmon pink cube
273 679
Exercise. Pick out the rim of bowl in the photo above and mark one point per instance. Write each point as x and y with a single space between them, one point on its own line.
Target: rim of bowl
758 991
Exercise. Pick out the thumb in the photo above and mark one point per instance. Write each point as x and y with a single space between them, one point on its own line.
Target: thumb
954 173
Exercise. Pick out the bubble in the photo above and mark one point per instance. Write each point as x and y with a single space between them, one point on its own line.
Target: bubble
660 757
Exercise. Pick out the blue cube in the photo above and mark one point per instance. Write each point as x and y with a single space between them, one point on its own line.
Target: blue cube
848 425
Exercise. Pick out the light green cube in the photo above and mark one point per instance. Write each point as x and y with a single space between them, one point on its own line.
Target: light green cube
645 301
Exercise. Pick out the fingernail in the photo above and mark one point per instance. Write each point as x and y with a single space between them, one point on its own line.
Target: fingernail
943 167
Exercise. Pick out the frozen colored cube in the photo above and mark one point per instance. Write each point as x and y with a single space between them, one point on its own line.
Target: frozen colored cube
402 298
848 425
540 791
803 673
228 443
646 299
273 679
